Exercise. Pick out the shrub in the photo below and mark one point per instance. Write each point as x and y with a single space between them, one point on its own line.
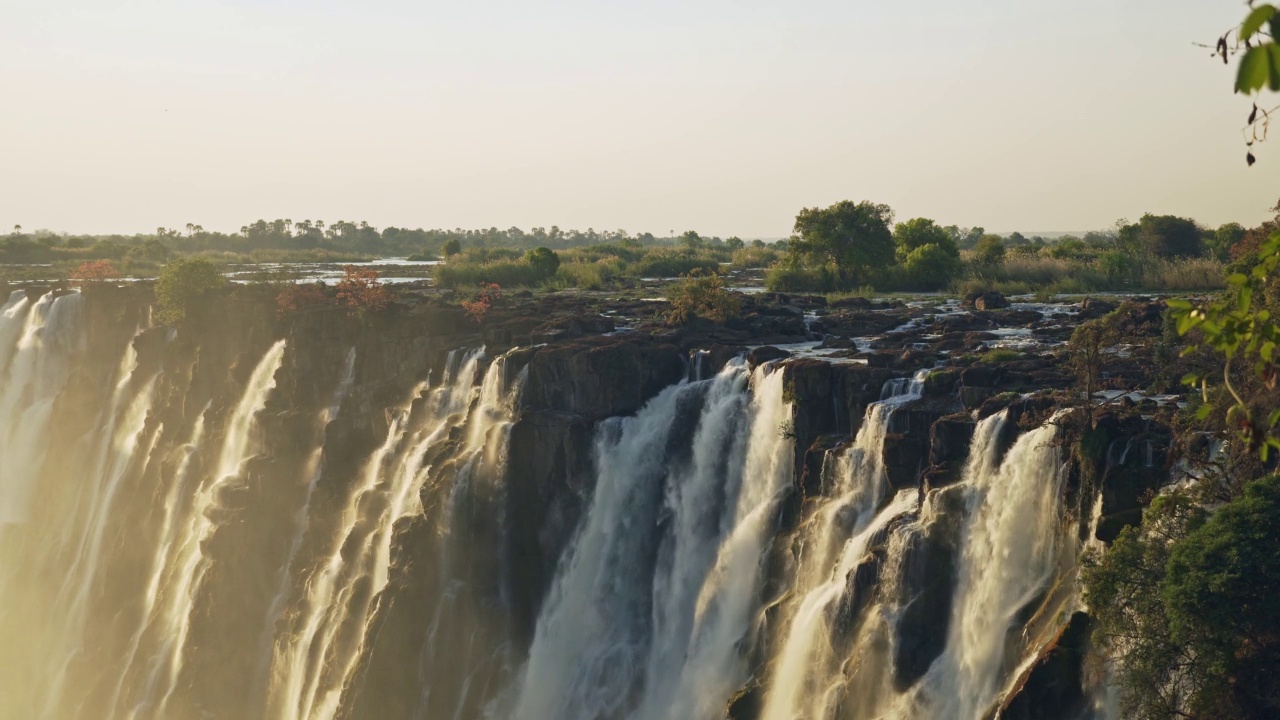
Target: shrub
543 260
996 355
478 307
755 257
451 247
989 252
785 278
930 267
672 263
361 291
701 294
94 271
296 298
182 284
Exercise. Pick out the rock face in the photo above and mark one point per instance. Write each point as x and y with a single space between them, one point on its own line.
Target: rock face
572 378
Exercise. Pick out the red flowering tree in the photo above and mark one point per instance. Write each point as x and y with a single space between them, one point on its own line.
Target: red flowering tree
478 308
361 291
296 298
94 271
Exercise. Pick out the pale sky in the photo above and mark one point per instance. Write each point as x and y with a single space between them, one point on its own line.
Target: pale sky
725 117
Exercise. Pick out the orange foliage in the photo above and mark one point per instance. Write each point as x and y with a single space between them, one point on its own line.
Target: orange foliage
95 271
361 291
300 297
478 308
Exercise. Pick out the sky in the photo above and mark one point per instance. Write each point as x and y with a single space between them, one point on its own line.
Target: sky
726 117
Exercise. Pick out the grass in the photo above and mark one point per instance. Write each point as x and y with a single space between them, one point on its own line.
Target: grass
996 355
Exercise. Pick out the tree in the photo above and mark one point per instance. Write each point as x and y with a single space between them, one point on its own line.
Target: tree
451 247
1224 239
1164 236
94 271
989 252
478 307
735 243
362 292
931 267
918 232
854 238
701 294
691 240
183 284
544 261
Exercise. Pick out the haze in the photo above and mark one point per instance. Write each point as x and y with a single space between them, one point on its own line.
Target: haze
726 117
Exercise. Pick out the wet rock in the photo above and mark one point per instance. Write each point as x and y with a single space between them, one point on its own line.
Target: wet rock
973 396
985 300
1054 689
927 589
949 448
768 353
601 377
1091 308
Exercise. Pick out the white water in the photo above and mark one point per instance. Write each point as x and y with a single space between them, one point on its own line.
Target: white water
836 535
658 609
630 632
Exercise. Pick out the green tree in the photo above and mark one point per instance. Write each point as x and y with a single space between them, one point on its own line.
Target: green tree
989 252
918 232
931 267
691 240
544 261
451 247
1162 236
183 284
701 294
1225 238
854 238
735 243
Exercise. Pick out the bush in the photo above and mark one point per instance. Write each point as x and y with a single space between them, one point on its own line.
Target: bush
451 247
755 257
543 260
989 252
701 294
672 263
785 278
930 267
996 355
458 272
478 307
361 291
182 284
94 271
297 298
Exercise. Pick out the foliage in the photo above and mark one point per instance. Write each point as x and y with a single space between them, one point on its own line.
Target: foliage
94 271
451 247
989 252
1224 239
930 267
701 294
1165 236
998 355
784 277
916 233
1188 602
361 291
1089 344
478 307
1157 676
182 284
305 296
853 238
543 260
1238 330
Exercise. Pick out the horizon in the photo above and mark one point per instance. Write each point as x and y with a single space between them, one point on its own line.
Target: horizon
719 116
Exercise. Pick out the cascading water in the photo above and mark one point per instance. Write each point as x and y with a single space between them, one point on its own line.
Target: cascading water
658 593
190 531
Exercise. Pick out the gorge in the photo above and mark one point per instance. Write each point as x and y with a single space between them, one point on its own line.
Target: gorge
821 510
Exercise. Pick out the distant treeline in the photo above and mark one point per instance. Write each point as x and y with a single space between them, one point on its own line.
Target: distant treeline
306 236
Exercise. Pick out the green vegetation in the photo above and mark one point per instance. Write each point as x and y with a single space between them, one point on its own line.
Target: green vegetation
701 294
996 355
182 284
1187 601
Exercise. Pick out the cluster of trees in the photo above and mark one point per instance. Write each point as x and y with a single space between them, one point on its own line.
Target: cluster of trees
341 236
849 245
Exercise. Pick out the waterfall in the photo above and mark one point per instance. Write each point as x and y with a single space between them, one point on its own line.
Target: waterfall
36 371
322 531
832 541
658 593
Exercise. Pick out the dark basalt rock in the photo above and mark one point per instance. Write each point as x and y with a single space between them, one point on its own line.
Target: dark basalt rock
759 356
985 300
949 440
927 589
601 377
1054 689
